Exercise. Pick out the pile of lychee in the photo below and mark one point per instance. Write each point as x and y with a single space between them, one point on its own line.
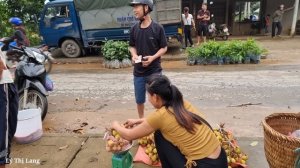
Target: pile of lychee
115 143
235 156
150 149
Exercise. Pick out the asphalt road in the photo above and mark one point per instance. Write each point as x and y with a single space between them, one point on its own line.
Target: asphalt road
89 93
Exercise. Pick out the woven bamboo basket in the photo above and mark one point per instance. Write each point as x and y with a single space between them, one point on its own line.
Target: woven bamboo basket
280 148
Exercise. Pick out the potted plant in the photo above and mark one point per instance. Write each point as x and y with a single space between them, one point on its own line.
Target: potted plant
264 53
116 54
208 51
236 51
214 47
204 55
253 50
192 55
244 51
227 53
223 53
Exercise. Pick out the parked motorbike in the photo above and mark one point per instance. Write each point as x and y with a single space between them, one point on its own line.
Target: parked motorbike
218 32
31 79
48 61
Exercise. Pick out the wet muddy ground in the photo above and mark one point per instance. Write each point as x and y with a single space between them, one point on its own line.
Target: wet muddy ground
87 97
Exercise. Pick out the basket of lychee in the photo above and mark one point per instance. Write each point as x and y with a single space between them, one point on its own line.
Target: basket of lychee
115 143
235 157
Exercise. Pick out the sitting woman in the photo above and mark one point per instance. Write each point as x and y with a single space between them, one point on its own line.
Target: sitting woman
182 137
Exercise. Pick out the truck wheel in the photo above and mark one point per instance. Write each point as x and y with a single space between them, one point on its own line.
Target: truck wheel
70 49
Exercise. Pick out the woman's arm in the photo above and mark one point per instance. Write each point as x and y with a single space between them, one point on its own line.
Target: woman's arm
139 131
207 18
132 122
2 67
193 23
200 17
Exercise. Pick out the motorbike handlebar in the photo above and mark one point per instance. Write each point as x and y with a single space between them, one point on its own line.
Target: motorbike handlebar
6 40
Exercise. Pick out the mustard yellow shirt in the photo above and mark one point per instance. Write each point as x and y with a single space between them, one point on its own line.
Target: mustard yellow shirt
193 146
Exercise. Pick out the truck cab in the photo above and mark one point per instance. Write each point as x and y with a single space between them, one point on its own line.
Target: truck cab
59 26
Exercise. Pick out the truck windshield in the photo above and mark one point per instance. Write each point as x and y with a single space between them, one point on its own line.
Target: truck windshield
54 12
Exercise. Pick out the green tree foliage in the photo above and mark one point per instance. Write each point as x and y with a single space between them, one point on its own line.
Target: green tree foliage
27 10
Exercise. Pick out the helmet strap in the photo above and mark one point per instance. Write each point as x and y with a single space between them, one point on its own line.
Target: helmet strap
144 14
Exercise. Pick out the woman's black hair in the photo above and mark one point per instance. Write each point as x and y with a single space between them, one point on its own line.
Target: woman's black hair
172 97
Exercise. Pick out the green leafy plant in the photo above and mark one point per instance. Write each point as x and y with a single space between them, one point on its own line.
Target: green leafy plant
237 52
192 53
214 46
115 50
209 49
251 47
204 52
223 50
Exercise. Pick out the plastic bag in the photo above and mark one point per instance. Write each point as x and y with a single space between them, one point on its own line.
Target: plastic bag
49 84
142 157
114 144
295 134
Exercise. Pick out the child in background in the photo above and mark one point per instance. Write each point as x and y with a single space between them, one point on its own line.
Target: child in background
267 23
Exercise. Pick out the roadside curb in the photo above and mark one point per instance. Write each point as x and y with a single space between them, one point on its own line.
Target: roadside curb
91 60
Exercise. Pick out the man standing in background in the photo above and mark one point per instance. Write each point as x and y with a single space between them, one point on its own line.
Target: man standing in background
203 18
277 19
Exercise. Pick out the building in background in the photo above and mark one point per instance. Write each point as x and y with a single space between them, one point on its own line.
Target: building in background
244 17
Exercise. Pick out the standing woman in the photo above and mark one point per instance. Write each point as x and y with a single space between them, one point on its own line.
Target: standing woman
182 137
189 23
8 111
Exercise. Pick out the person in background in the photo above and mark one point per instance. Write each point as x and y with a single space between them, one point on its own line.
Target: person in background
183 138
20 33
189 24
203 18
277 20
147 44
8 111
267 23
